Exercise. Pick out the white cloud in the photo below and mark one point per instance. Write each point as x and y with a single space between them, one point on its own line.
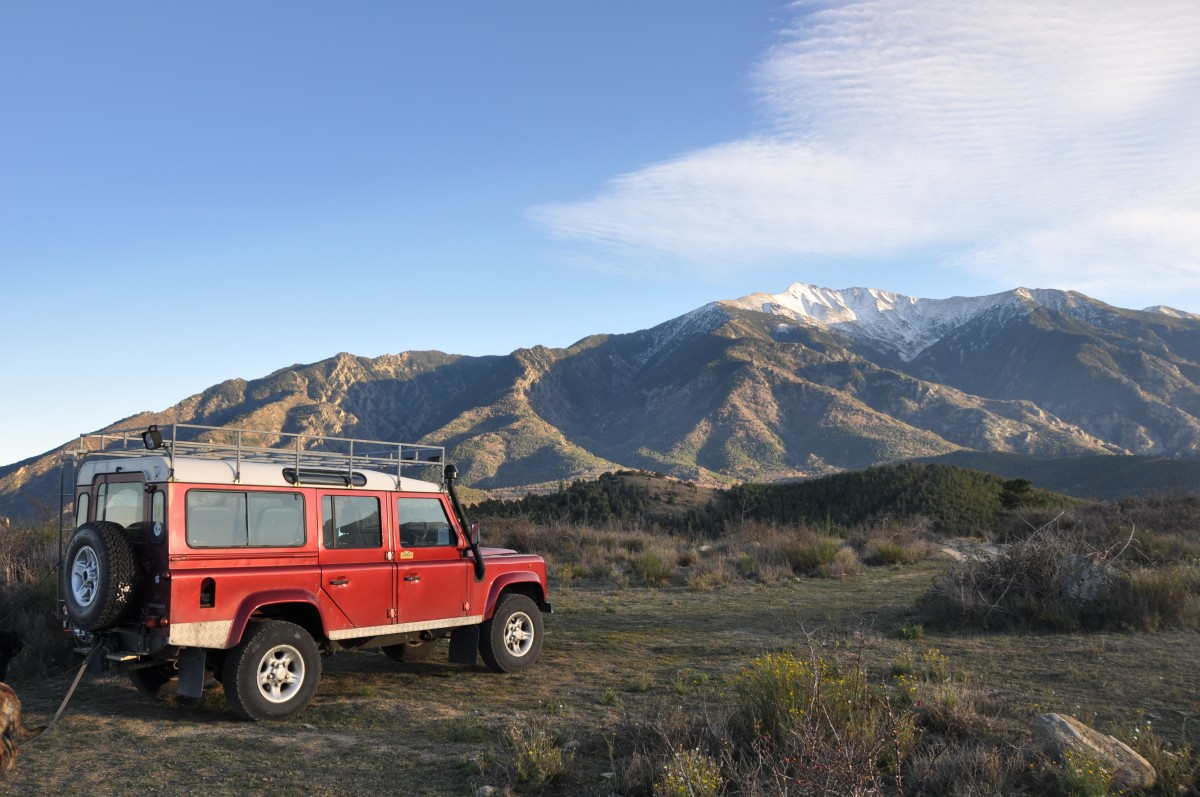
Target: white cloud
1058 141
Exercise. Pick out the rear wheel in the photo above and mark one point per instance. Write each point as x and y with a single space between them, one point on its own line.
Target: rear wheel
273 673
102 575
512 639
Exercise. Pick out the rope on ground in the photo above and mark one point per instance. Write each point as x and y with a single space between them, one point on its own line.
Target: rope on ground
67 698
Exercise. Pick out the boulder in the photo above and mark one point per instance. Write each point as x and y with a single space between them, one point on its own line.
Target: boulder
1058 733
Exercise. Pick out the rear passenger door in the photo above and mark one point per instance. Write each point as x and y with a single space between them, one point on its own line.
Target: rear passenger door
357 567
433 575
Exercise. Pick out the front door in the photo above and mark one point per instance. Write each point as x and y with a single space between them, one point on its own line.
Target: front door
357 566
433 575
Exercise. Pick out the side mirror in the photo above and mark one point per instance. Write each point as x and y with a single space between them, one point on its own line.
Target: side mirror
474 532
152 438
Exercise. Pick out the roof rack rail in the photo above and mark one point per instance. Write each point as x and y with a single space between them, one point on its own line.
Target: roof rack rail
300 451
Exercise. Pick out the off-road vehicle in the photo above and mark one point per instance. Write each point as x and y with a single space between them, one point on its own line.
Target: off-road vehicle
247 555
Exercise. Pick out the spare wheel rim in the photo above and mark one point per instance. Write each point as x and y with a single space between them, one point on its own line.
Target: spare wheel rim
85 576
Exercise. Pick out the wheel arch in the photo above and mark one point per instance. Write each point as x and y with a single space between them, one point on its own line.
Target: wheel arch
294 605
526 584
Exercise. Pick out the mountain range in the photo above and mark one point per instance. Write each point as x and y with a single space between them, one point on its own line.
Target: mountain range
766 387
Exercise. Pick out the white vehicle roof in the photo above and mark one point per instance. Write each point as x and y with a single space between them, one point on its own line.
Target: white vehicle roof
157 468
218 455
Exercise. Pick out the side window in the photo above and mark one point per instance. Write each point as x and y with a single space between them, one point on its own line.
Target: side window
423 523
120 502
276 519
216 519
229 519
351 521
81 509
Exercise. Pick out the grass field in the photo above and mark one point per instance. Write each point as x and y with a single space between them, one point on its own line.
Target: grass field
618 663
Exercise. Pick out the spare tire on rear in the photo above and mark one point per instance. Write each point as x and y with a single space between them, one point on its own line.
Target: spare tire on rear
102 575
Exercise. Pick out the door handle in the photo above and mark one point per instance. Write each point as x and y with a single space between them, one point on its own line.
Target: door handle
338 582
413 577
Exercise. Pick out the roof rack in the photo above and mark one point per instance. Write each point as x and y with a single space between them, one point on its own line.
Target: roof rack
301 451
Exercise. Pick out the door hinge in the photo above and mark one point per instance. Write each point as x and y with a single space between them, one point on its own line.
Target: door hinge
392 613
467 606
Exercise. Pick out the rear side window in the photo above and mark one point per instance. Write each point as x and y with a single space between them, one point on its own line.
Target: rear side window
423 523
351 521
81 509
119 502
238 519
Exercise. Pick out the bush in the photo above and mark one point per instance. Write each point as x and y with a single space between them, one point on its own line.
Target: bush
29 599
816 726
845 563
811 553
530 758
887 552
1057 580
1177 767
650 568
1148 599
690 773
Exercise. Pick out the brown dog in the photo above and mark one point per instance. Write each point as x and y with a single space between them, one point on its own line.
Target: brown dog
13 732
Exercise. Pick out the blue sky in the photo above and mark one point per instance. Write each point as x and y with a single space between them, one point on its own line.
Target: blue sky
195 192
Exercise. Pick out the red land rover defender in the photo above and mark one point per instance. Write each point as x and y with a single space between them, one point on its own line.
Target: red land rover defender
249 554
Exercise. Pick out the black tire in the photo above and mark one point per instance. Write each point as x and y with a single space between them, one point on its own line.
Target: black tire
512 639
102 575
410 651
273 673
158 682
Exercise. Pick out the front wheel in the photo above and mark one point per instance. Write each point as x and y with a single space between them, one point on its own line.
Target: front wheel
512 639
273 673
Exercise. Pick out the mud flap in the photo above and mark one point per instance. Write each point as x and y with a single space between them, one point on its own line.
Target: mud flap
464 645
191 673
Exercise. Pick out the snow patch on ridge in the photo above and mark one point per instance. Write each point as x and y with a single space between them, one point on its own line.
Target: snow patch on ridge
902 324
1172 312
667 336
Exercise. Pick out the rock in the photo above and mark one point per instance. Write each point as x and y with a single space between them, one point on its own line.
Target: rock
486 791
571 746
1058 733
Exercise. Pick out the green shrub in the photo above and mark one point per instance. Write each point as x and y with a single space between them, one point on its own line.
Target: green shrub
690 773
530 757
816 723
1078 775
810 554
1176 767
1149 599
746 565
650 568
845 563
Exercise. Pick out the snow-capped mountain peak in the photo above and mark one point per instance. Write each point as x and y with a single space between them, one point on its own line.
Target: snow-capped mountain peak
903 324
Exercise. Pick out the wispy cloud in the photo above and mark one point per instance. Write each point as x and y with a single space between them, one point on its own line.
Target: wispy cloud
1058 141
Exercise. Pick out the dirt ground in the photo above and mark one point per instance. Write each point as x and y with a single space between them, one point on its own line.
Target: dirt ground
379 727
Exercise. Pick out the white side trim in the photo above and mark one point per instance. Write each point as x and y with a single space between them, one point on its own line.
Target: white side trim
405 628
209 634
